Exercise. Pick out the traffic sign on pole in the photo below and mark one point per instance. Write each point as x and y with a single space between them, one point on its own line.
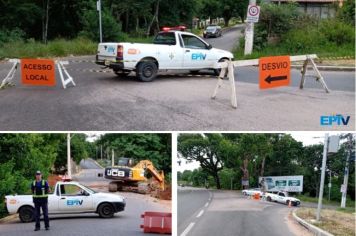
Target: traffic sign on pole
253 13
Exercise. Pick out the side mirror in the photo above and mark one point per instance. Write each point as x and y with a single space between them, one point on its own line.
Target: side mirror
210 46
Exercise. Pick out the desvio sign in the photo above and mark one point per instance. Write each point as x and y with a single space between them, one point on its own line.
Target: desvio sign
334 120
38 72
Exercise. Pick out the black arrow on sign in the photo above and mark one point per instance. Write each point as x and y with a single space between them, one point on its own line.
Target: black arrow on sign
270 79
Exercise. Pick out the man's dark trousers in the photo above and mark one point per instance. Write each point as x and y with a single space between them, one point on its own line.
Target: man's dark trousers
41 203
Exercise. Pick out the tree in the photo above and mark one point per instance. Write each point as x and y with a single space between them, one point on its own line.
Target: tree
207 149
153 147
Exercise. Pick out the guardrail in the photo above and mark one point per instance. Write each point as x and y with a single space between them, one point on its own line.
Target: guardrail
227 69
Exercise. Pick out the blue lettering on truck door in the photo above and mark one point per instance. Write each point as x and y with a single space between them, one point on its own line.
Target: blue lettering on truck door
74 202
198 56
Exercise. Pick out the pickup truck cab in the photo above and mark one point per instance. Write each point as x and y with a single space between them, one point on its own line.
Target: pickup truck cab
171 50
68 198
282 197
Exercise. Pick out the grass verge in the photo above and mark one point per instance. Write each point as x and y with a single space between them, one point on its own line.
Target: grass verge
349 202
54 48
332 221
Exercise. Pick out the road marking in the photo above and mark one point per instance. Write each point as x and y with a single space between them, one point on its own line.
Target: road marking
206 204
200 213
186 231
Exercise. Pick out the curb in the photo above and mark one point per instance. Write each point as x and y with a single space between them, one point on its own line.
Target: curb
317 231
328 68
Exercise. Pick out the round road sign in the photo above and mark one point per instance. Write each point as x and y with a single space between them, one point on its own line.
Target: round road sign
253 11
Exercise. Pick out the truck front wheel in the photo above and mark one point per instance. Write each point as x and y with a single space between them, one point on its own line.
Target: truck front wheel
146 71
269 199
106 210
26 214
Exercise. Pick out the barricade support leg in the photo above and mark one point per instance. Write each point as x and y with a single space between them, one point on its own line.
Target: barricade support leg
9 77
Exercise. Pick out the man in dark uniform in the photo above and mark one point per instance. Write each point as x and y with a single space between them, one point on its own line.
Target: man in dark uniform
40 189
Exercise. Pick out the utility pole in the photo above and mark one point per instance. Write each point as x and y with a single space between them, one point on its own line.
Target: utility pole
346 172
231 183
98 8
249 33
69 166
321 188
101 152
112 157
329 185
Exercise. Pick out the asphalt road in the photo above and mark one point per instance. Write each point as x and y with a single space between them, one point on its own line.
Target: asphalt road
101 101
124 223
227 213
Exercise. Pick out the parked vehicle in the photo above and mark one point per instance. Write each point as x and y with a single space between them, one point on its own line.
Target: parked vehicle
171 50
251 192
282 197
68 197
212 31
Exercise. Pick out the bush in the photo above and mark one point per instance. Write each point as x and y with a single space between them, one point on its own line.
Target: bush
337 32
110 28
274 21
11 35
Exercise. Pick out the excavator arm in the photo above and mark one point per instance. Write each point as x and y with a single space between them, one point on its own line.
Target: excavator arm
158 175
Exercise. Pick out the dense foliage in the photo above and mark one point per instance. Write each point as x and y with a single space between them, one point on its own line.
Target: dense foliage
51 19
227 159
283 29
153 147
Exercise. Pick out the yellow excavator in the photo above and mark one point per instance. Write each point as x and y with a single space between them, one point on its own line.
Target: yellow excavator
131 176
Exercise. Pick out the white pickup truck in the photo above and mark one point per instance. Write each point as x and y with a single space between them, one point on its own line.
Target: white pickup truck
68 197
282 197
171 50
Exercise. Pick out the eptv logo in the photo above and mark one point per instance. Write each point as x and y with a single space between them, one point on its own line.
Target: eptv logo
74 202
334 120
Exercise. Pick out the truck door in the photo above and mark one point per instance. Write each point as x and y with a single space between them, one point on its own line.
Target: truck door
196 53
281 197
73 198
169 53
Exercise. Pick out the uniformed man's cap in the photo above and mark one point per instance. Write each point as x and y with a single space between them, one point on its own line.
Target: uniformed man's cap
38 172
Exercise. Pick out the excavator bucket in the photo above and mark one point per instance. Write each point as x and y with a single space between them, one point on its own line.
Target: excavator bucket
157 222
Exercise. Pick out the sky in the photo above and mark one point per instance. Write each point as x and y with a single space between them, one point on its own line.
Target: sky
307 138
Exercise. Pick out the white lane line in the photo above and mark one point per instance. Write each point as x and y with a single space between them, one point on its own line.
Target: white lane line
186 231
206 204
200 213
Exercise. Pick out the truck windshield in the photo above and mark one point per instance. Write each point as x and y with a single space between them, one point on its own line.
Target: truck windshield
166 38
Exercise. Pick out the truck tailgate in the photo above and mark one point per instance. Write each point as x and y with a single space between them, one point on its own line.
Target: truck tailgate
107 50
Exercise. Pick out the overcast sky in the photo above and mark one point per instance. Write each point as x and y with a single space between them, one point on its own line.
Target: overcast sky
307 138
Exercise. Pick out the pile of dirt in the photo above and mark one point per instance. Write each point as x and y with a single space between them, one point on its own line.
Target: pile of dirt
163 194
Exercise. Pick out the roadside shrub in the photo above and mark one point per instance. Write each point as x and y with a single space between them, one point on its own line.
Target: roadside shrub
11 35
337 32
274 21
110 28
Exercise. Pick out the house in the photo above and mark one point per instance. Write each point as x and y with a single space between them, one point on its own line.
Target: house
319 8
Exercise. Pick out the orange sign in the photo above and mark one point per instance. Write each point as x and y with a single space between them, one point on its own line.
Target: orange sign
38 72
274 71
